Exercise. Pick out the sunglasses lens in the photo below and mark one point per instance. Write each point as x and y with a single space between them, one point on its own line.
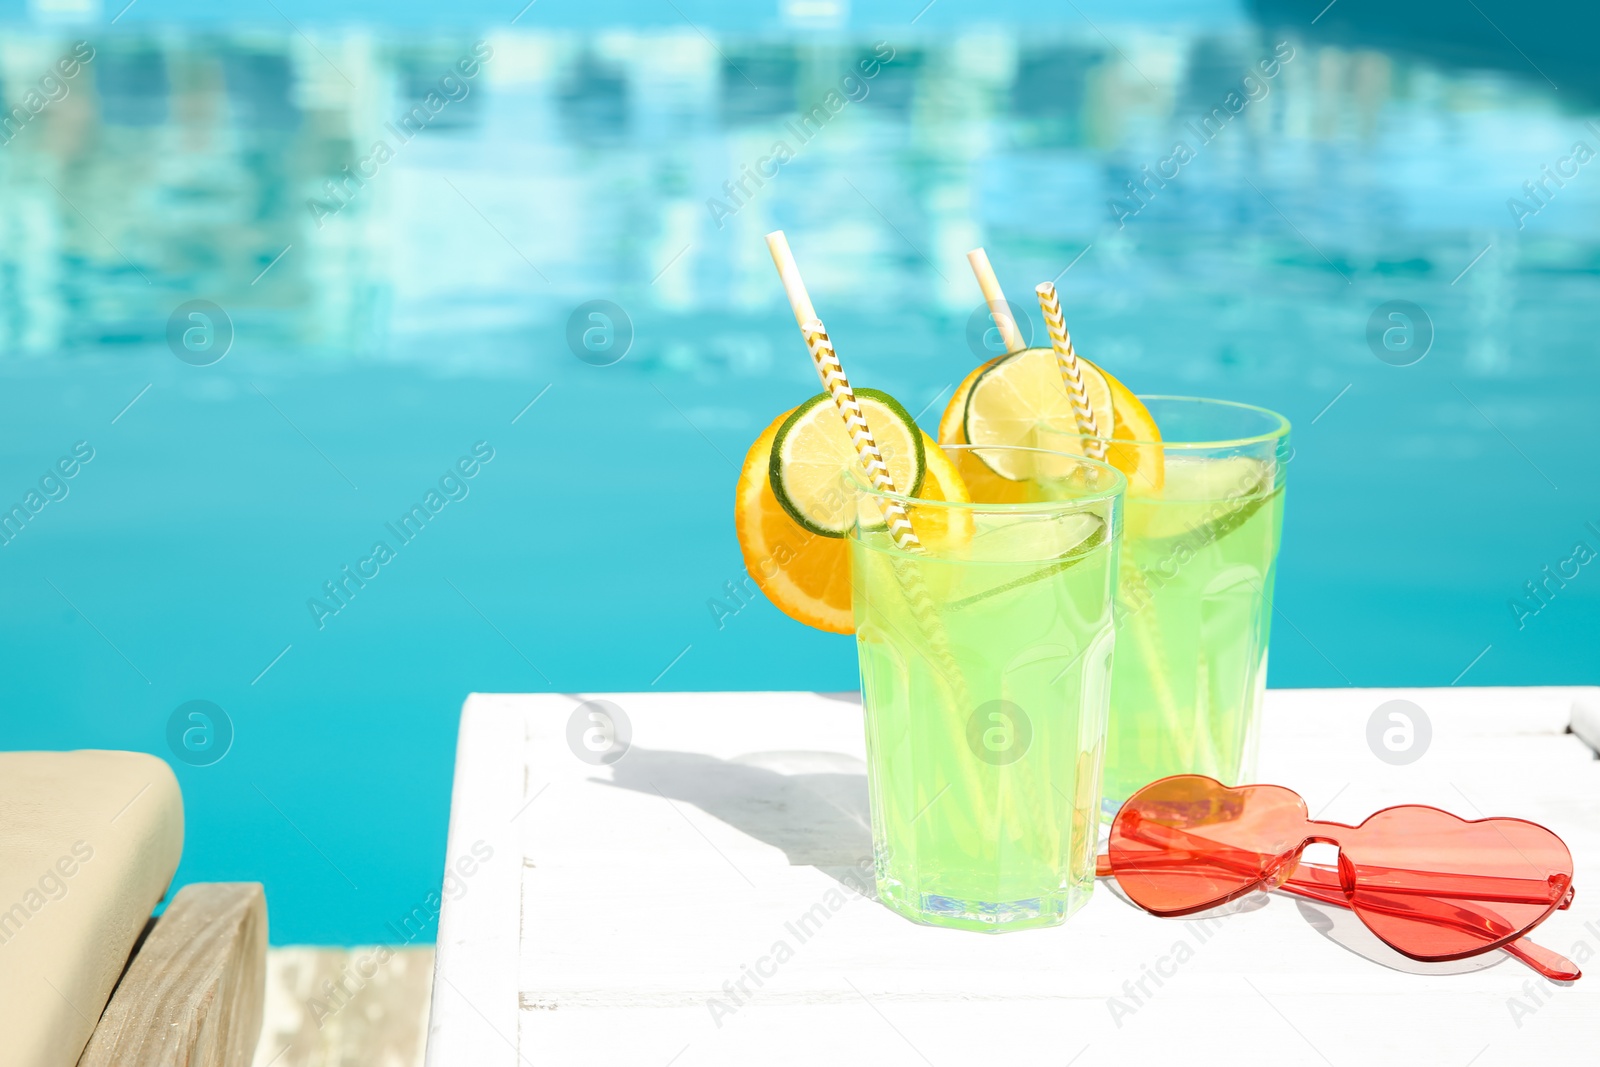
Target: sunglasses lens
1436 887
1188 842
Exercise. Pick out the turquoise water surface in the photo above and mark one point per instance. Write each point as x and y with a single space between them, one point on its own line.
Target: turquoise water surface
371 335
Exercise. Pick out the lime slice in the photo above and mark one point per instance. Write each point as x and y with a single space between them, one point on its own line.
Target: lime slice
1021 393
812 457
1055 542
1029 538
1202 498
1212 478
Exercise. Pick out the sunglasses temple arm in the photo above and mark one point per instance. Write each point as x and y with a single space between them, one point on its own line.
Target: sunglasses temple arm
1552 965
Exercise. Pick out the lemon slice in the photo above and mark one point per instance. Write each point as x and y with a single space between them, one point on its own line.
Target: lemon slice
812 456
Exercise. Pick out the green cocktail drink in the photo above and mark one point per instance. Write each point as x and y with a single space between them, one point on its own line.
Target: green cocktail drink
1194 600
985 674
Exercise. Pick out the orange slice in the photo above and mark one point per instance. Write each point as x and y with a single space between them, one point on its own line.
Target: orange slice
1141 463
952 424
807 575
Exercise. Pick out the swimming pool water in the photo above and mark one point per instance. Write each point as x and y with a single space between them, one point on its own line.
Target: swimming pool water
391 332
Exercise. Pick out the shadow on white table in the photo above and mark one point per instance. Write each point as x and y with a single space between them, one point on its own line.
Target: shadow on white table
706 899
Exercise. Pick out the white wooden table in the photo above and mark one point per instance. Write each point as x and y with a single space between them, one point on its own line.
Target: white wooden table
621 906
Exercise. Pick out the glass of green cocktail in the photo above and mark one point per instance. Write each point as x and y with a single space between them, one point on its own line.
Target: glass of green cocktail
1194 596
985 674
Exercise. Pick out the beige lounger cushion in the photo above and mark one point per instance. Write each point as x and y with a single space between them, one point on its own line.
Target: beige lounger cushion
89 842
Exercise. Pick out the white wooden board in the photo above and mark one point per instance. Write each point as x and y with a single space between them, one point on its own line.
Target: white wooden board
627 903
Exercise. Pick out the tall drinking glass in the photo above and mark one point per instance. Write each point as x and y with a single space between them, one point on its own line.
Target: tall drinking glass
985 675
1194 596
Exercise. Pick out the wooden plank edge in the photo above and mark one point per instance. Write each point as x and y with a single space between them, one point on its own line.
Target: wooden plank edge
194 994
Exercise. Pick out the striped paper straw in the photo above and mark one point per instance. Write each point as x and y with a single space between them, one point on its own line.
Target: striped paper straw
1071 373
939 655
836 385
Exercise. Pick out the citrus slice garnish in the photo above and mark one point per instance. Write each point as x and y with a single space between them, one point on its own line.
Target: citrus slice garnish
1204 499
984 484
952 428
1014 398
812 458
807 574
1062 541
1132 422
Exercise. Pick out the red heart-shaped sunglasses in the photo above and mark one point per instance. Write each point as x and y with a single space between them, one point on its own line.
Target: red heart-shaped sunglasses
1432 886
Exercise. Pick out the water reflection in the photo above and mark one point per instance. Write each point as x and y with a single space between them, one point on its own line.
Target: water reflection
1552 48
187 164
593 101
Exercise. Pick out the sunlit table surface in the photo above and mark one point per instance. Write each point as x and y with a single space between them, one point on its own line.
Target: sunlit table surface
691 903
